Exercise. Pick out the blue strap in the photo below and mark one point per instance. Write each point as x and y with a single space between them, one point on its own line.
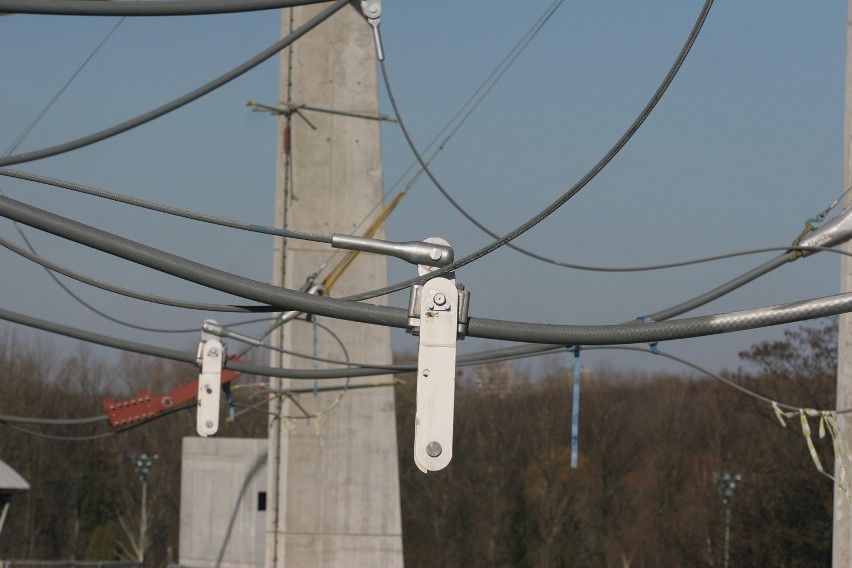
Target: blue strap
226 388
575 411
655 349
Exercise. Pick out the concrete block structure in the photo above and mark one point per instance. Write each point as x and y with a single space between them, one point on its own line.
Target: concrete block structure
223 502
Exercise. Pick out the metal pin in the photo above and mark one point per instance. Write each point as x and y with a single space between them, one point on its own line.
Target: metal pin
434 449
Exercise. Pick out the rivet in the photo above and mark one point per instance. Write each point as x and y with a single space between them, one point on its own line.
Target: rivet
434 449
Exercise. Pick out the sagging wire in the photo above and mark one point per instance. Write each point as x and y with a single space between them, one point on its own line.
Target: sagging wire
160 208
827 423
147 8
180 101
316 389
20 139
464 111
565 197
53 267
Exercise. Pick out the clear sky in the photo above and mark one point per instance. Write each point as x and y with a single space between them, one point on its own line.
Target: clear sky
745 146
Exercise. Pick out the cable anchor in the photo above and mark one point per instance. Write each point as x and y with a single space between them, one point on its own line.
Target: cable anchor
372 10
437 313
211 357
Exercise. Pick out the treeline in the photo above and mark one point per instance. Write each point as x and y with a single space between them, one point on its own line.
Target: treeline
82 491
643 495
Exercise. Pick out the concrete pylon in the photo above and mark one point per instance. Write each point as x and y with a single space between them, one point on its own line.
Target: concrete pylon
333 479
842 535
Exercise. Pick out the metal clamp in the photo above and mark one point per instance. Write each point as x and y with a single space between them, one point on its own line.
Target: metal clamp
438 315
211 357
372 10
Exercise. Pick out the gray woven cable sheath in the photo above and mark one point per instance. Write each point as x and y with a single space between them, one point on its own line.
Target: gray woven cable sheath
396 317
661 331
183 357
281 298
143 8
58 268
721 290
180 101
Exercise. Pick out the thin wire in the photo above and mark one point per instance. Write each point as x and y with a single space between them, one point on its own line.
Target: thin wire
5 419
17 142
180 101
136 295
247 322
315 389
145 8
465 111
60 438
713 375
54 421
564 198
26 132
316 358
160 208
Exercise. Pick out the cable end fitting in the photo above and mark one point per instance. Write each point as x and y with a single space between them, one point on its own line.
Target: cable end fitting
415 252
833 232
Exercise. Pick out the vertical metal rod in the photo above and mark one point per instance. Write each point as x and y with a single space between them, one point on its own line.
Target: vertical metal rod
727 536
143 522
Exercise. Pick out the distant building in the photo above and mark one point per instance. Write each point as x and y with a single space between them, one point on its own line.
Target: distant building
223 502
10 483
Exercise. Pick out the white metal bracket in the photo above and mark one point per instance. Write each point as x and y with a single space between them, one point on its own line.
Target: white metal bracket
435 312
436 375
211 357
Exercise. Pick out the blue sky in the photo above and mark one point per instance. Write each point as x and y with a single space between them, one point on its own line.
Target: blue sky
745 146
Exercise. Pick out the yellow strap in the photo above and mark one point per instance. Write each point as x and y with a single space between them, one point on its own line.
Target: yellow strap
347 260
780 415
842 454
806 432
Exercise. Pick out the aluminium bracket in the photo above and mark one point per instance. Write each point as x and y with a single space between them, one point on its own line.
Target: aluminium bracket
438 315
211 357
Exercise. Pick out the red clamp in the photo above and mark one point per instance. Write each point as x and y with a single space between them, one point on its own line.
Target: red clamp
144 407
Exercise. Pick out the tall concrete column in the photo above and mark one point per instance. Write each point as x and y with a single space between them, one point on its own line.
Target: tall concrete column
333 479
842 536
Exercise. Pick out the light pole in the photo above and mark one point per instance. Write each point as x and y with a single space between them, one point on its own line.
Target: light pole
726 483
142 463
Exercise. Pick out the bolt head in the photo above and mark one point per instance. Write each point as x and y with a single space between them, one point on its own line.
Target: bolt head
425 372
209 423
440 299
213 351
434 449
